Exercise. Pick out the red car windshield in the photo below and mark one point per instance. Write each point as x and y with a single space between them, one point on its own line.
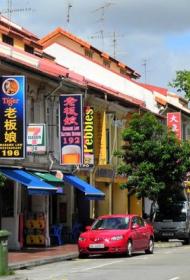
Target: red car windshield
111 223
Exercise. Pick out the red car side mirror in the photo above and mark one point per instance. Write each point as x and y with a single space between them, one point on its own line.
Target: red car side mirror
87 228
135 226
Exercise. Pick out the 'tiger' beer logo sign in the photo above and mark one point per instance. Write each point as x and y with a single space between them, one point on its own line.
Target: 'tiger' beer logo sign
10 87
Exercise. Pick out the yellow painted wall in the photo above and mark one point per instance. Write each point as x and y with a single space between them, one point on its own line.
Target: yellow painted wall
100 138
70 44
18 44
119 200
135 205
102 206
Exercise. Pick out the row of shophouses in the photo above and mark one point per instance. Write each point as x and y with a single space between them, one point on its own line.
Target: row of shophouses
45 187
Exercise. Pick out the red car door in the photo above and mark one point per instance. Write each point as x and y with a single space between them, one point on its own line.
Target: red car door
136 234
143 234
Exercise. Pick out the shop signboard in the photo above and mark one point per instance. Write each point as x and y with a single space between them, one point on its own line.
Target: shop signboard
88 129
174 122
12 107
71 129
36 138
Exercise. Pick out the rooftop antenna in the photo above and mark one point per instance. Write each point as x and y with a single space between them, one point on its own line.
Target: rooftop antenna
114 37
145 70
102 19
114 40
10 10
69 6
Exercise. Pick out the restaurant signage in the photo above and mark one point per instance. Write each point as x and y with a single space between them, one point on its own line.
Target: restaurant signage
71 129
88 137
12 107
174 122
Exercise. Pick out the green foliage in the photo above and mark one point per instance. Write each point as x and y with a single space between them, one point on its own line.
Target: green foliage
182 82
154 160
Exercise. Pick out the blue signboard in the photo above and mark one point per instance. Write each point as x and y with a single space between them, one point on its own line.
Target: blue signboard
12 123
71 129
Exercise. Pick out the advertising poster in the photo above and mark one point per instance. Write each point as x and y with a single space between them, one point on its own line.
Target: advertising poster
174 122
12 108
71 129
88 137
36 138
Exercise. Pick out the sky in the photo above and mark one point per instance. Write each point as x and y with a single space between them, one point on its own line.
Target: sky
151 36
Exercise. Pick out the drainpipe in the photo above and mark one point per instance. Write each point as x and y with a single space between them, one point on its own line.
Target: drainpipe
49 125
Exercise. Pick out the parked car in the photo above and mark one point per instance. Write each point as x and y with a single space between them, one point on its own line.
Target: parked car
117 234
173 223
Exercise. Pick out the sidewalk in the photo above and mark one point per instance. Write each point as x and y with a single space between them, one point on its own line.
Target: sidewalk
38 256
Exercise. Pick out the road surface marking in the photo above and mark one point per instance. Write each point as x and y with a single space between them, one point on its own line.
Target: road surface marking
98 266
175 278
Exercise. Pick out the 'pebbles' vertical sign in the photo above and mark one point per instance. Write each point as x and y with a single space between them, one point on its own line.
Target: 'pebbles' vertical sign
88 137
71 129
12 108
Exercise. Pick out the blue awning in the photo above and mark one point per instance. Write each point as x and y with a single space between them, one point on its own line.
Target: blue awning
90 191
33 184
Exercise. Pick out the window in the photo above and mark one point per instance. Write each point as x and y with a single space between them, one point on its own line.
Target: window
8 40
106 63
28 49
138 221
88 53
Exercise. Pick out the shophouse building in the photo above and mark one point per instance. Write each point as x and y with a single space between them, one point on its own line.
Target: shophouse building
58 66
31 198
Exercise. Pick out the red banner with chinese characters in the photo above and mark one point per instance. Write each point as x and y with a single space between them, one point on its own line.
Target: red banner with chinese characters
174 122
71 129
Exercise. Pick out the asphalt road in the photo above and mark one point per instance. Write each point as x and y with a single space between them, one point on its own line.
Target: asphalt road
164 264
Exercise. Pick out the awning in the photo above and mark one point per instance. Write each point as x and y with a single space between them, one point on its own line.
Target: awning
90 191
50 178
33 184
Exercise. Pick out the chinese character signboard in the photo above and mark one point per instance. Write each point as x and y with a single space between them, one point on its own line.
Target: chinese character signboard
36 138
12 107
174 122
71 129
88 137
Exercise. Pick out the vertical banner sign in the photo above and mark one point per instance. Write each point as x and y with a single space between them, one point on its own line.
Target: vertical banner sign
88 137
12 108
174 122
71 129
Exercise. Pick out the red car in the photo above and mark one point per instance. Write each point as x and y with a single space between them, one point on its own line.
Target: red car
117 234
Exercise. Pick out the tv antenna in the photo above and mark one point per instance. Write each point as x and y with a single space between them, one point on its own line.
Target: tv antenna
10 10
114 37
69 6
145 69
102 19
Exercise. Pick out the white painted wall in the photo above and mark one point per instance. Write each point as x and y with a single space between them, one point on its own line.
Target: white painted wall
100 75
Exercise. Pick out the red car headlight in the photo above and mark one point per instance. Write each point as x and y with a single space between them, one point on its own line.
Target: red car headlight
117 237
